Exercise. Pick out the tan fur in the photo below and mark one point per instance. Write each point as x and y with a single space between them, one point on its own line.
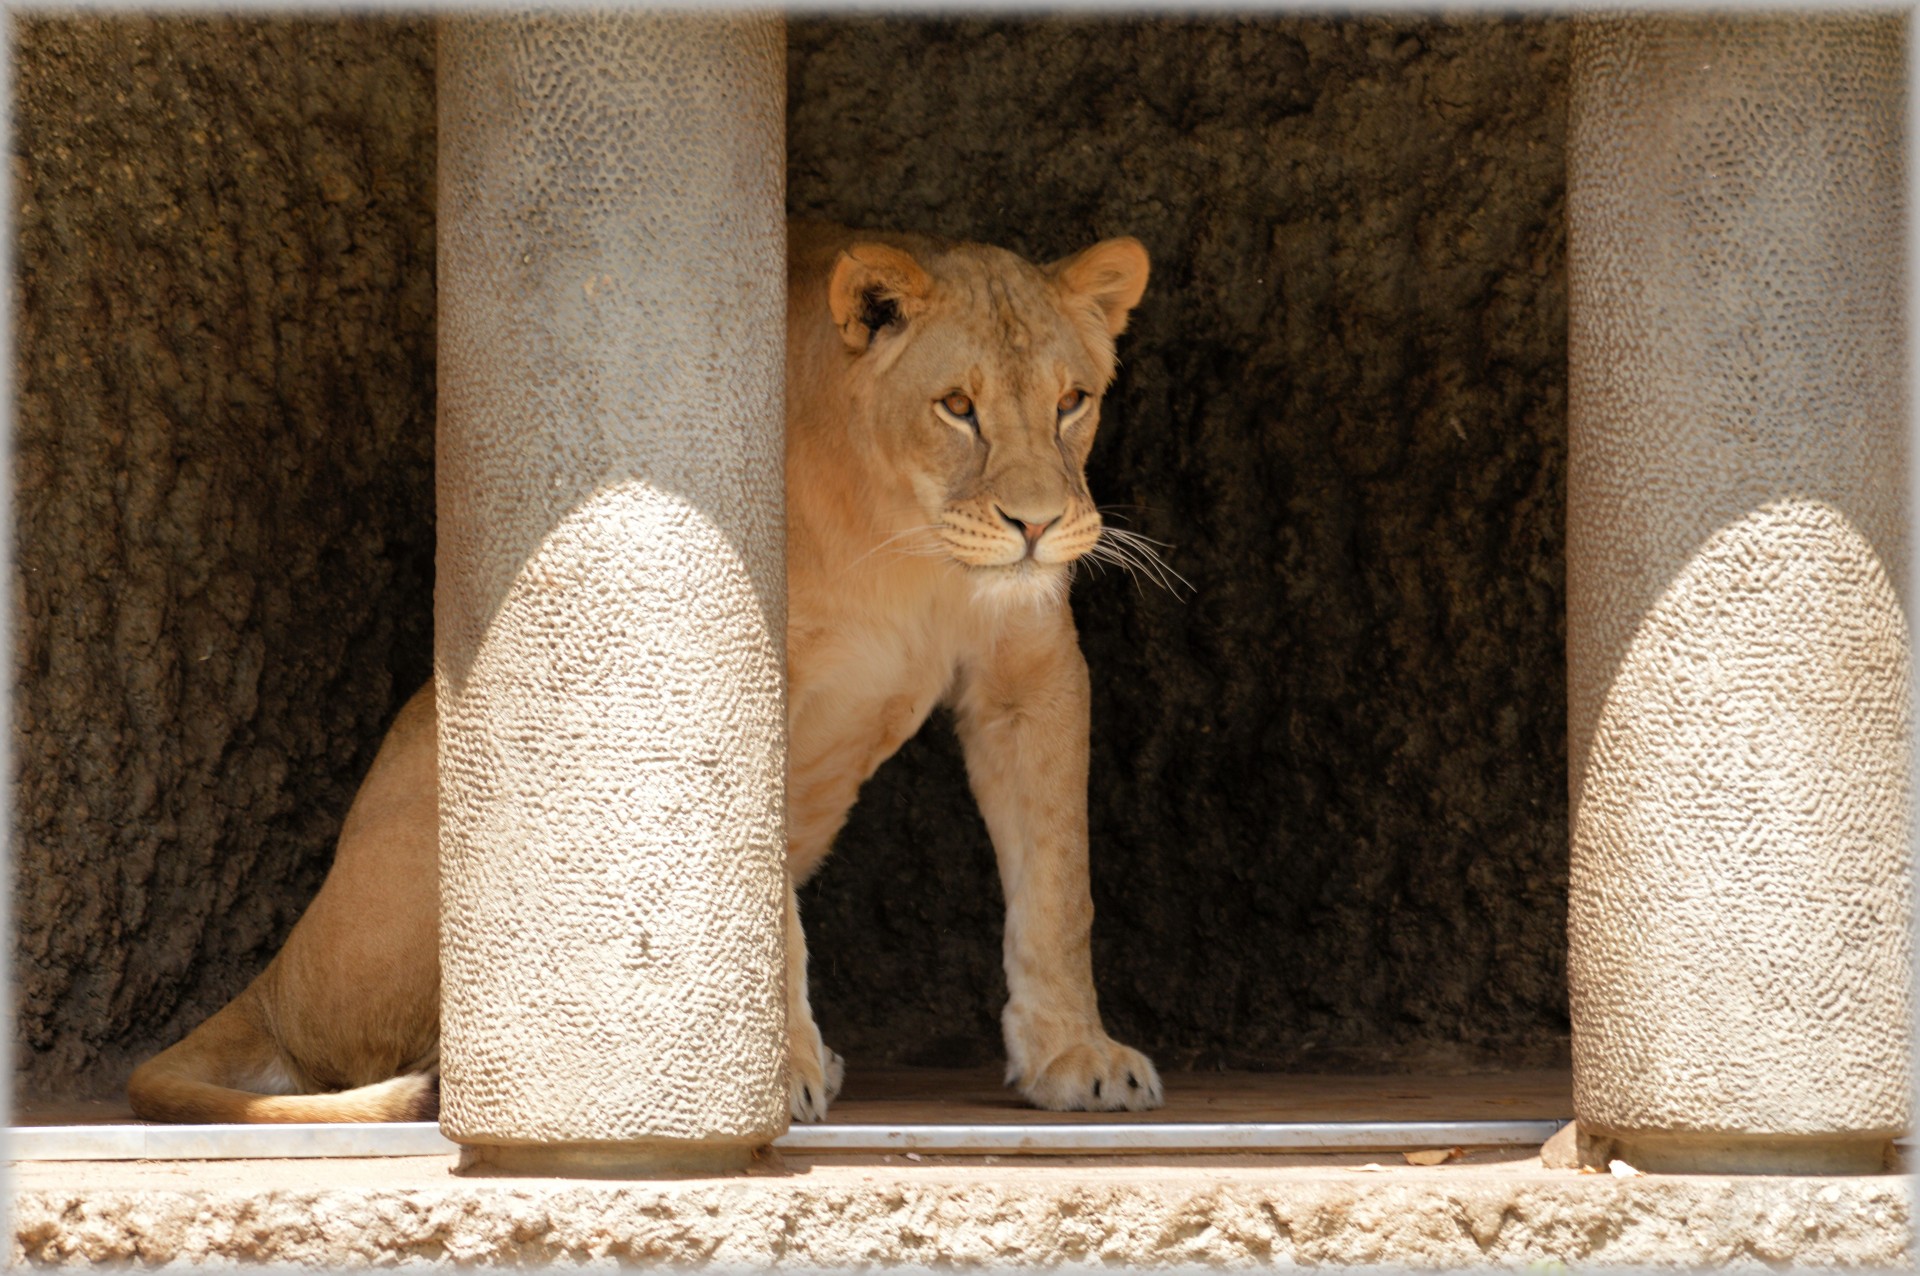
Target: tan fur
927 563
352 1001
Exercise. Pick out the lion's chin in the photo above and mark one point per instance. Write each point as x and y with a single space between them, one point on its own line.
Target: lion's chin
1017 586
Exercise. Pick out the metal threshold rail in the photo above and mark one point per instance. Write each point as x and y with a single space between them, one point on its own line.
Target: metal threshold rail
1109 1138
132 1142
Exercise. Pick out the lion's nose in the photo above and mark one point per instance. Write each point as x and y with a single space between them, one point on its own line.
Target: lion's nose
1033 531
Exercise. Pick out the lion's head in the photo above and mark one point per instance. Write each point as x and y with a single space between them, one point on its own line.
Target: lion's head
979 381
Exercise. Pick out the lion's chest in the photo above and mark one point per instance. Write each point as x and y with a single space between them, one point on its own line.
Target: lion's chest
861 684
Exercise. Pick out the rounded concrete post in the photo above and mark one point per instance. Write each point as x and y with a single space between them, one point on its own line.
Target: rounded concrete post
1737 637
610 608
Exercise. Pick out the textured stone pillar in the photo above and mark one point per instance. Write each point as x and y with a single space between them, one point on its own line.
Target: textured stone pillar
1737 635
610 613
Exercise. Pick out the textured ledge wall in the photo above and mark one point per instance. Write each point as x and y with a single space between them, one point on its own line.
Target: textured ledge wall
610 609
952 1215
1737 634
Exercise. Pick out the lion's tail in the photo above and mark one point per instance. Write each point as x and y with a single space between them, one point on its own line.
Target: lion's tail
205 1078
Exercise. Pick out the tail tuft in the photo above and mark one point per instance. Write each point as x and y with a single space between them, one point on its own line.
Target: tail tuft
426 1105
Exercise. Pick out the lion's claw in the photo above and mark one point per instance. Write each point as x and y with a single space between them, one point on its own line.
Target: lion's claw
1094 1076
813 1083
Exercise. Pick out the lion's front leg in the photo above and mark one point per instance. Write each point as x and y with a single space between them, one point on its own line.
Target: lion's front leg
1023 719
820 789
814 1072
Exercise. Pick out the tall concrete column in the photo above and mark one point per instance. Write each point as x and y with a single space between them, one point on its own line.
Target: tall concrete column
610 612
1737 632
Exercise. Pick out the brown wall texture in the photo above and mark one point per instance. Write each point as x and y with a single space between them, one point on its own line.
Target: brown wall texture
1328 782
223 458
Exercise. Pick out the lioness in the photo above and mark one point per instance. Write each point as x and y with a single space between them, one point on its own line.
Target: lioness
941 400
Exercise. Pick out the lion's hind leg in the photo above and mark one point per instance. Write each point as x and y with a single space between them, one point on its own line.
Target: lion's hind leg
231 1070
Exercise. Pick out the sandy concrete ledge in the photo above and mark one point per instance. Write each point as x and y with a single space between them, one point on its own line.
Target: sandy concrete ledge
835 1212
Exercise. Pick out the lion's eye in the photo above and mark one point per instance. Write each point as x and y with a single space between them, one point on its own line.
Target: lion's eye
1070 401
958 404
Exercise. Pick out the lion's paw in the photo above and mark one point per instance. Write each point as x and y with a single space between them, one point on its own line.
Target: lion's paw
813 1079
1094 1076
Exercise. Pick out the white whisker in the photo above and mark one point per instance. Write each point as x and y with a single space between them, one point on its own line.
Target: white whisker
1134 567
1102 556
1122 533
1113 511
1137 555
909 551
1152 567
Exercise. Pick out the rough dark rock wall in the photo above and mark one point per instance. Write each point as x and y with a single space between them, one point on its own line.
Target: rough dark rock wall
223 466
1328 809
1329 815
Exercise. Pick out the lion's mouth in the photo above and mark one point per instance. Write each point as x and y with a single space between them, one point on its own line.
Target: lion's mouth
1027 558
1019 569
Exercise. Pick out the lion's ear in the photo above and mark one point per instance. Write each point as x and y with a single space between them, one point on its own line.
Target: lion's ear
1111 275
874 287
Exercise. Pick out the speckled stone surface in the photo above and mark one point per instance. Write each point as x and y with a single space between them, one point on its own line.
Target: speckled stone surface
1181 1212
611 595
1736 633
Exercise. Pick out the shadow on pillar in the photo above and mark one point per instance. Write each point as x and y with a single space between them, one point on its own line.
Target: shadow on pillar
610 612
1738 643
